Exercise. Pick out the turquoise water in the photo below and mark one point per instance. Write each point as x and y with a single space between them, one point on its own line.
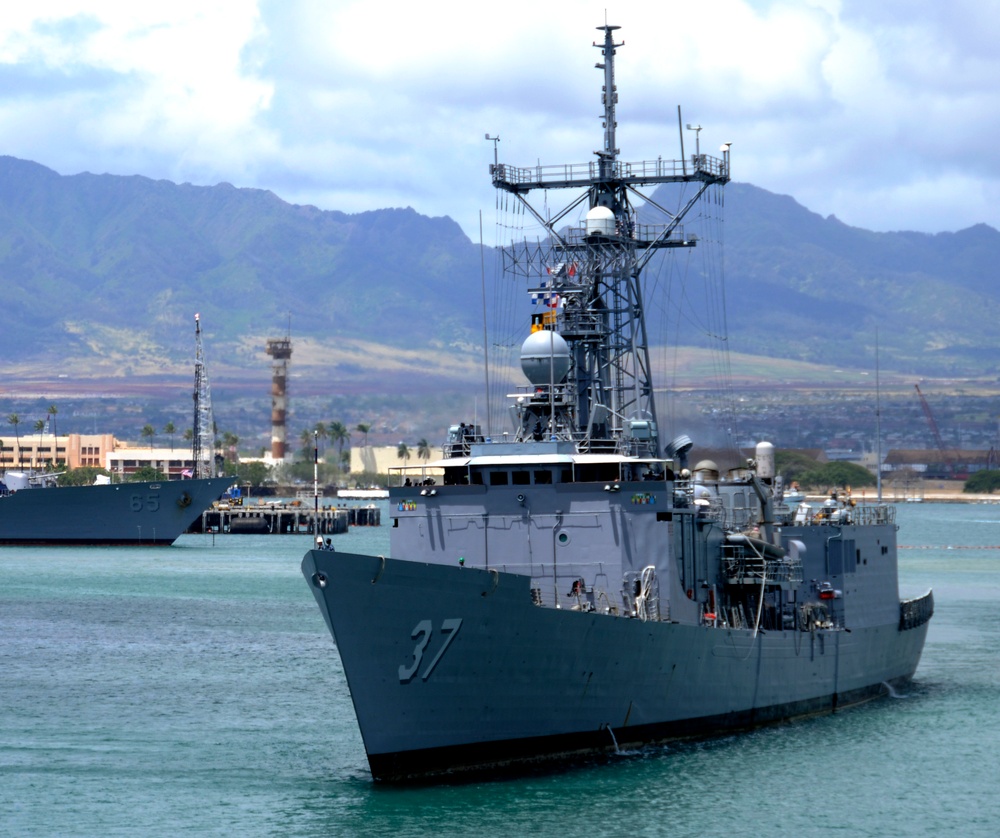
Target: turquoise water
195 690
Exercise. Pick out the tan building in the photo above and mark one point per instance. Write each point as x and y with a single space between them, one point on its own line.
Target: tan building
378 460
91 450
38 451
173 462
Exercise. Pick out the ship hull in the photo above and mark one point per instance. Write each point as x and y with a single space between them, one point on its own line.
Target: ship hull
148 513
454 669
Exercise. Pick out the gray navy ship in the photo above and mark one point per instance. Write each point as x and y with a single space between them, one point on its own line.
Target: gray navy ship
35 511
577 588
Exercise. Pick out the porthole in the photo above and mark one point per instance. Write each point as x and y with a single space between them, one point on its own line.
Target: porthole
562 538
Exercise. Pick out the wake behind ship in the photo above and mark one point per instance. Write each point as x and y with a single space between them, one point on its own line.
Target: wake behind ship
577 587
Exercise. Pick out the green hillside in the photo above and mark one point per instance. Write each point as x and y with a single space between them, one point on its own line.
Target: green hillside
106 272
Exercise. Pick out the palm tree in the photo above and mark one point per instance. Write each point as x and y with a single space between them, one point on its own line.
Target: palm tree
148 431
322 434
170 430
15 420
307 440
230 441
338 435
403 452
363 428
53 410
423 449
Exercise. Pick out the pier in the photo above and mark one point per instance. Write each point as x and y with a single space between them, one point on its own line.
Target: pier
294 518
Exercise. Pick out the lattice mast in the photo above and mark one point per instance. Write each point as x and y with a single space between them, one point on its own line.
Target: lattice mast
591 276
203 439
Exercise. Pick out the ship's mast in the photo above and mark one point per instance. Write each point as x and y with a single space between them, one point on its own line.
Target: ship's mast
203 439
594 274
609 98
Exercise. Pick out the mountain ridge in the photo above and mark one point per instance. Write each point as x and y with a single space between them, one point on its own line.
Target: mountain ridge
110 269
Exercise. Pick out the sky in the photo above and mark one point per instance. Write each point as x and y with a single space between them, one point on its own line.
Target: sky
881 112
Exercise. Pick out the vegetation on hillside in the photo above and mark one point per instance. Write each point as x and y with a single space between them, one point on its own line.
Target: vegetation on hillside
798 286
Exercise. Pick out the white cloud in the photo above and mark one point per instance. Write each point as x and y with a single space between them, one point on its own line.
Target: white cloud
880 113
135 79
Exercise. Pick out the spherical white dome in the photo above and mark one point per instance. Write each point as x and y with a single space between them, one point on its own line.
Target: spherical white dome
545 357
600 221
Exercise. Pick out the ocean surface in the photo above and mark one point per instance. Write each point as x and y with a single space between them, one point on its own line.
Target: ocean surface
195 690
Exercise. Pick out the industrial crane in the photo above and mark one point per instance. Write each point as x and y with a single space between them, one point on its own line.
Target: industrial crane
946 454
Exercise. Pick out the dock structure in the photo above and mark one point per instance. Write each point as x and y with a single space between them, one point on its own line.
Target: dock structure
364 516
284 519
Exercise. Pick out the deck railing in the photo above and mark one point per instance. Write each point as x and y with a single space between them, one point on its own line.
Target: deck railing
915 612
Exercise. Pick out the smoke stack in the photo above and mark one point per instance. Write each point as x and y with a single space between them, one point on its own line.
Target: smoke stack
280 350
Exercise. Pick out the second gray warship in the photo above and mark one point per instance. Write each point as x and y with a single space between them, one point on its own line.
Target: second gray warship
33 510
575 587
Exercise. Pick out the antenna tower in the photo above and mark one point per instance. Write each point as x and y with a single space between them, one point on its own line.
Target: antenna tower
203 441
590 276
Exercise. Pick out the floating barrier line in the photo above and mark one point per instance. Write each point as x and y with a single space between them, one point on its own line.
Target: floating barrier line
949 546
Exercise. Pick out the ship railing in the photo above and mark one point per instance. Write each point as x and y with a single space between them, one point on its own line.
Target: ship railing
567 175
876 513
915 612
716 510
742 566
861 515
534 260
460 445
729 518
580 325
579 237
735 517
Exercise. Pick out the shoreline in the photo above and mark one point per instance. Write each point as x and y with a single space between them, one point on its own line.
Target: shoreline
934 496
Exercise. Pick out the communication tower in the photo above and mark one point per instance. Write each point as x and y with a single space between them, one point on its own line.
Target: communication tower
203 440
